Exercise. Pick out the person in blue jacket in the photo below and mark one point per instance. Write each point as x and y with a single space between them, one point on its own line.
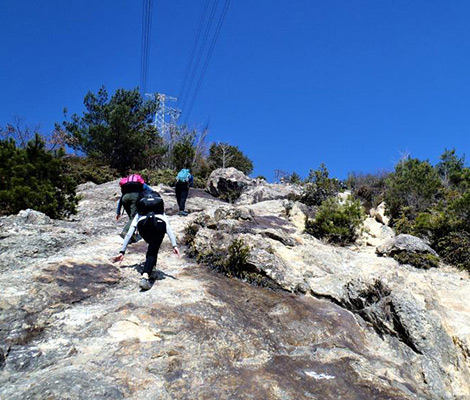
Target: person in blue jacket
184 180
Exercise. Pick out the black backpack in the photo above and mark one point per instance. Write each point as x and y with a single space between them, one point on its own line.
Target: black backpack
149 201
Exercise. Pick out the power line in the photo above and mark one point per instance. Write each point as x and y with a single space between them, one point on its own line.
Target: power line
194 48
200 52
207 60
145 42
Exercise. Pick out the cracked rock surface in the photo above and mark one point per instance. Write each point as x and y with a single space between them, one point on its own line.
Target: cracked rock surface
342 323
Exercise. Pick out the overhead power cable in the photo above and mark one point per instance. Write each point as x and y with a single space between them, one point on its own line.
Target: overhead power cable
208 57
199 54
194 48
145 42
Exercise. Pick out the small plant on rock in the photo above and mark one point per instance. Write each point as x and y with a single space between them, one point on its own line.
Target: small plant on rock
337 222
418 260
190 232
238 253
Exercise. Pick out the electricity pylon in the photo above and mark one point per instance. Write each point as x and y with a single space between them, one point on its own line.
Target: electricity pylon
165 116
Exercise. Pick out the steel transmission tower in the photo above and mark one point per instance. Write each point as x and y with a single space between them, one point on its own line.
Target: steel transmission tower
165 116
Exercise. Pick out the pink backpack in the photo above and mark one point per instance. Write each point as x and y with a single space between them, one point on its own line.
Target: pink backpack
132 183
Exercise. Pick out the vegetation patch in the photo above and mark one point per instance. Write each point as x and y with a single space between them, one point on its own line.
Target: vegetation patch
319 187
455 249
84 169
34 177
418 260
336 221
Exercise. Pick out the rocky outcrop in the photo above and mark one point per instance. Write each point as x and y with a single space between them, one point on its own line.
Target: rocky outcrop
394 300
234 186
405 243
338 322
265 191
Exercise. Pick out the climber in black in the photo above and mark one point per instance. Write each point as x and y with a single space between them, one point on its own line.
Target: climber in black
152 224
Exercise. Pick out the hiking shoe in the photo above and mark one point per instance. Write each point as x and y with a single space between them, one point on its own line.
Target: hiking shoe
153 275
145 284
184 213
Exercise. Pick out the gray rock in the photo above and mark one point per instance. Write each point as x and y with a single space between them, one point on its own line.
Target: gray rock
33 217
264 191
405 243
227 183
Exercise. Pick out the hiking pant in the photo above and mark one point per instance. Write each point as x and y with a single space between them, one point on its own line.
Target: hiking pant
181 190
153 230
129 202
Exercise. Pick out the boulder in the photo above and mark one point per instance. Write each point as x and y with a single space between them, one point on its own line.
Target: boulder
379 214
405 243
33 217
375 233
227 183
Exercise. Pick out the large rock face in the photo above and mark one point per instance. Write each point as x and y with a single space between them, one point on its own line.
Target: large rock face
339 322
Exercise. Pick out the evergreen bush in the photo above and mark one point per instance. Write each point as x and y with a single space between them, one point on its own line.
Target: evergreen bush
155 177
116 130
319 187
84 169
412 188
336 221
369 188
33 177
454 249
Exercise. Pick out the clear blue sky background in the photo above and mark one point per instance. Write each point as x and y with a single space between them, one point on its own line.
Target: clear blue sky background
293 84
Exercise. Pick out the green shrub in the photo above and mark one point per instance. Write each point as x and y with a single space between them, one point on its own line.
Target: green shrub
418 260
294 178
190 232
319 187
451 168
183 152
337 222
403 224
199 182
454 249
83 169
369 188
413 188
155 177
33 177
238 253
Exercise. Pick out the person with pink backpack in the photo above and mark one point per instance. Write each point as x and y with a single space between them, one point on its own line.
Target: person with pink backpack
131 186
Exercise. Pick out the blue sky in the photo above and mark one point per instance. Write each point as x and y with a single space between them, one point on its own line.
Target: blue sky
353 84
